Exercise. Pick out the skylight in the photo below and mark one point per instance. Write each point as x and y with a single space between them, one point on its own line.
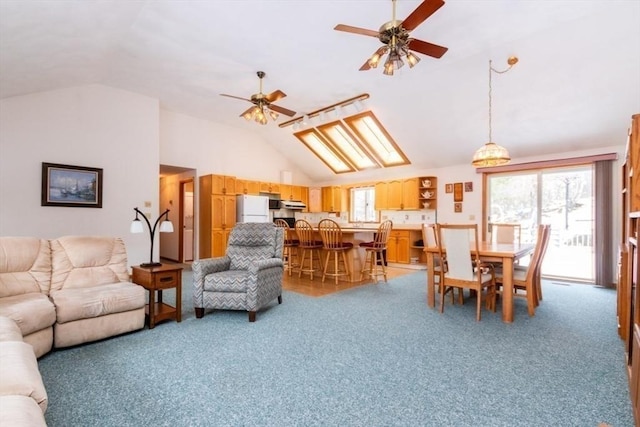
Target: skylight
356 142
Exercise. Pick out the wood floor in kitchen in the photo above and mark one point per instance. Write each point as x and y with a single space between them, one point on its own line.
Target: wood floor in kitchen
316 288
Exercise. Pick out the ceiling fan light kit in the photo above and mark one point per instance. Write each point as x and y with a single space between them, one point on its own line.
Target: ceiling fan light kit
492 154
397 41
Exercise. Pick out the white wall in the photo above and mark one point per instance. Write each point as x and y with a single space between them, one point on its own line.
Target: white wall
92 126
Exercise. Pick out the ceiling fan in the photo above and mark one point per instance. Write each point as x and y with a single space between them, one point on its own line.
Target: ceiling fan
263 104
397 42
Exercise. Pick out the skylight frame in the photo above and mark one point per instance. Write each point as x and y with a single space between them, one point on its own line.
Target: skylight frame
353 122
351 144
340 163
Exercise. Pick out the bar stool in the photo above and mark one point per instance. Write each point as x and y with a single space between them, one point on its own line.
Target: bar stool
374 252
308 247
332 242
290 250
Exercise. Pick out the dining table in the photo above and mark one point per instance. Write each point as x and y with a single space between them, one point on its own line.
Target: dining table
505 253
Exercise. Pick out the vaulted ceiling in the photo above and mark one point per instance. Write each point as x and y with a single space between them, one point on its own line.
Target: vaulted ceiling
575 87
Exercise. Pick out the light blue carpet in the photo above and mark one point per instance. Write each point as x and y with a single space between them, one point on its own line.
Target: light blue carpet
370 356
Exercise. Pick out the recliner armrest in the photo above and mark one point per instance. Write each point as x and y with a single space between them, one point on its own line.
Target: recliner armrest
206 266
266 263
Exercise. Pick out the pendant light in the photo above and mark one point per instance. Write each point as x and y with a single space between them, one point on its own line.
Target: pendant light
492 154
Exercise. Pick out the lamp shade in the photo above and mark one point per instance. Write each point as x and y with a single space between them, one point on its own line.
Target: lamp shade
166 227
136 226
490 154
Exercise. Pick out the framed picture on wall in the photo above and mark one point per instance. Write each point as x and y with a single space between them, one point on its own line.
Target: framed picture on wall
448 188
71 186
457 192
457 207
468 187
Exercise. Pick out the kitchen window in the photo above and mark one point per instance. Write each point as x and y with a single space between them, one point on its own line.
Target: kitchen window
363 205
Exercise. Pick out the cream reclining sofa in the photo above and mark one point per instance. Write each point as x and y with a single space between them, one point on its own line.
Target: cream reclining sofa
58 293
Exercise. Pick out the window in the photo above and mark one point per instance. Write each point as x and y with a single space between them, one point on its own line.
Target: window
356 142
363 205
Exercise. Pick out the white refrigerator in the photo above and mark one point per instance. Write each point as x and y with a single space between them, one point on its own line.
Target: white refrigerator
252 209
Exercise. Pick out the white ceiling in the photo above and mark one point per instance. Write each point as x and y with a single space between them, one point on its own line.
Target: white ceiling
575 87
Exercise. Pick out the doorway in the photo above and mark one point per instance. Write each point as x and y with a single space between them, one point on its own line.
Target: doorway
563 197
177 193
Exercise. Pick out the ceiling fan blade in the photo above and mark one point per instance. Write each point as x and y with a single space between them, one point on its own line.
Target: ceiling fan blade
236 97
275 95
282 110
365 66
422 12
427 48
356 30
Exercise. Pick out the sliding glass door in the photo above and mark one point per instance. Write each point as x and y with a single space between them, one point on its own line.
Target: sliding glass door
562 197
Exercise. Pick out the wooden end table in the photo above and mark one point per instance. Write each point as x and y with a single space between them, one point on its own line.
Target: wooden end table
157 279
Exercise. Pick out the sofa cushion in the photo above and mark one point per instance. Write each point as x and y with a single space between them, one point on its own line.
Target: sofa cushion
9 331
19 372
31 312
87 261
83 303
25 266
18 411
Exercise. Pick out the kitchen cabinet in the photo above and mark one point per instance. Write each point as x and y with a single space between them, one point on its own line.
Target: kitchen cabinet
629 275
269 187
223 184
402 194
314 204
381 190
285 192
428 192
399 246
332 199
217 213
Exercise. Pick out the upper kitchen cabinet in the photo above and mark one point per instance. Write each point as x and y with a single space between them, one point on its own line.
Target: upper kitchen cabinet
403 194
381 190
269 187
222 184
314 204
332 199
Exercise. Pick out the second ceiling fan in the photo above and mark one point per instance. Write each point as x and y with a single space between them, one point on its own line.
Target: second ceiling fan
397 42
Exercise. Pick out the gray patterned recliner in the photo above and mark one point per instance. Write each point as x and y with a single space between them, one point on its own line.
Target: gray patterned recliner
248 277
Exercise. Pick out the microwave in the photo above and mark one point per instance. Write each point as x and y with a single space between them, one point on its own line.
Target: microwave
274 203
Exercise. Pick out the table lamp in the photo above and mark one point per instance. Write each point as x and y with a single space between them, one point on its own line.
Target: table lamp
165 227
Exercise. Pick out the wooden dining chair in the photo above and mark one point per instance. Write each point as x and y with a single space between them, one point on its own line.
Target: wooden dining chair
374 252
502 232
335 248
430 240
525 281
309 248
290 250
457 244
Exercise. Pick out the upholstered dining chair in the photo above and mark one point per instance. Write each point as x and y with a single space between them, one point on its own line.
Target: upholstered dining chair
374 252
526 280
502 232
335 249
248 277
309 248
290 251
457 246
430 240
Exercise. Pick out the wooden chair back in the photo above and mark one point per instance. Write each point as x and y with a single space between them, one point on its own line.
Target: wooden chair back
305 233
502 232
382 236
331 234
